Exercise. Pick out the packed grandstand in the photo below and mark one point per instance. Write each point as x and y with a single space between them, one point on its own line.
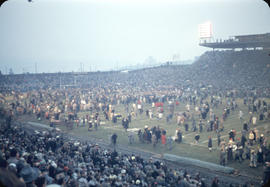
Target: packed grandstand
217 80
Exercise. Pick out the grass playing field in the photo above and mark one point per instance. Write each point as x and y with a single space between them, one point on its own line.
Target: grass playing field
188 148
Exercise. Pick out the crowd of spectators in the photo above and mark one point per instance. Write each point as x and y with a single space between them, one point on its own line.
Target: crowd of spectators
225 70
243 70
60 97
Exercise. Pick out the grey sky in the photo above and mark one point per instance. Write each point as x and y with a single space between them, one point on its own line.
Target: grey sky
59 35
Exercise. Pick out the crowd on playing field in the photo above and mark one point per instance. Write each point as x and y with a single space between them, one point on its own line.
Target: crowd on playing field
64 105
41 158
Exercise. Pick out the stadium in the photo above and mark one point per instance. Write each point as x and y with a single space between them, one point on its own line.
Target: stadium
199 124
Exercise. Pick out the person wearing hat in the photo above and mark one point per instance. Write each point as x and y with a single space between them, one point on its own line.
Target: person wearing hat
29 175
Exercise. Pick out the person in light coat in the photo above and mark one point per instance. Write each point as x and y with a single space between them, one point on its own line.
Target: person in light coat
253 160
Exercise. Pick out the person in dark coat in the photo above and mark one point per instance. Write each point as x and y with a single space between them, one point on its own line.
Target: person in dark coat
179 136
210 144
260 156
114 120
261 140
201 126
113 140
222 157
230 153
197 137
158 134
243 141
186 127
231 134
245 126
129 117
125 123
90 125
218 137
261 117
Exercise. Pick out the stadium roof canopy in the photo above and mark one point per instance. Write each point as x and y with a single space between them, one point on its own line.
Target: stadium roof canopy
242 41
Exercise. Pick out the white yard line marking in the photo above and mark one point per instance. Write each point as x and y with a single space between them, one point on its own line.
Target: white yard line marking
113 128
196 144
